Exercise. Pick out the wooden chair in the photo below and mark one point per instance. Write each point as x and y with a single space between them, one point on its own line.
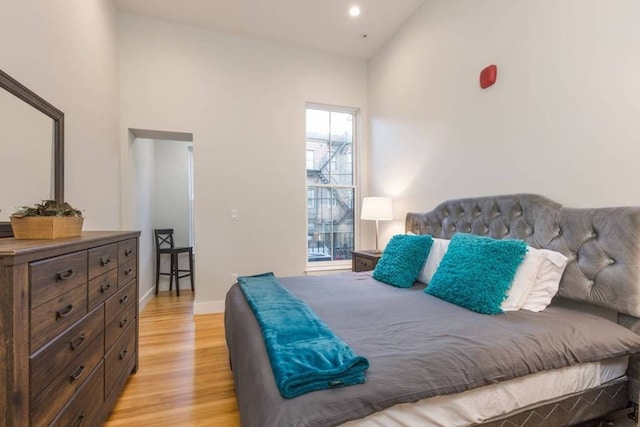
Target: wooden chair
164 245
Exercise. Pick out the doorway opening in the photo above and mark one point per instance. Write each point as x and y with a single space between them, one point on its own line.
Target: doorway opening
163 198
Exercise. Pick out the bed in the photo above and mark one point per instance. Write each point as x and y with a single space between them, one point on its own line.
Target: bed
496 376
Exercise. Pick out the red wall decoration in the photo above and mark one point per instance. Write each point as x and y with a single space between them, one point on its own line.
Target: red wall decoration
488 76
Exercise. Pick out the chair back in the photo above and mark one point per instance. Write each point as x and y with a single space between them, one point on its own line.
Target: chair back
164 238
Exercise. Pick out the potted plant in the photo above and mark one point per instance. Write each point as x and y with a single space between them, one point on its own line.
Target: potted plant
46 220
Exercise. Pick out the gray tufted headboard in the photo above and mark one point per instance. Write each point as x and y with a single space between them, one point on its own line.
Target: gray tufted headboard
603 244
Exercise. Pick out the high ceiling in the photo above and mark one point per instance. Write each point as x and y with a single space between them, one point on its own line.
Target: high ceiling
317 24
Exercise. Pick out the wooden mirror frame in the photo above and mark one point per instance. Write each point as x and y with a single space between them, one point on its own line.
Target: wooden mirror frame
14 87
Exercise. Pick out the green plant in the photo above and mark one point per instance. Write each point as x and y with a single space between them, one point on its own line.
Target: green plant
47 208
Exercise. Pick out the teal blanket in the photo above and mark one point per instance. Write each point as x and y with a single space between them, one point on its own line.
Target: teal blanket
304 352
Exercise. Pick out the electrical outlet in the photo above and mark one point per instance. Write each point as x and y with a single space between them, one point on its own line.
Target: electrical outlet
234 215
234 278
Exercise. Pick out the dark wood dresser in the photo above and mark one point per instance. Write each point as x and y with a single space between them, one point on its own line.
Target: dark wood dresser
68 327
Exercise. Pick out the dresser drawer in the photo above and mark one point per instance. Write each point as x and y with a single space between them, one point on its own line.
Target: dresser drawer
118 302
85 405
48 403
119 356
54 276
126 272
50 319
59 353
102 287
102 259
117 327
112 394
127 251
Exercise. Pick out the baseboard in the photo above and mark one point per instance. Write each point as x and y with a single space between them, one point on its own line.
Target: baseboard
208 307
144 300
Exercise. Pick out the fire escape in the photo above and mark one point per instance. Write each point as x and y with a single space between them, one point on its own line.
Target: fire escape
341 196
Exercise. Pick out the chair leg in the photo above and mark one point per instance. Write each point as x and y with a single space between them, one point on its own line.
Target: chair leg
191 270
171 272
177 272
157 272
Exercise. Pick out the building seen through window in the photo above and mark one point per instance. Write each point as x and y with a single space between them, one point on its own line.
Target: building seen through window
331 183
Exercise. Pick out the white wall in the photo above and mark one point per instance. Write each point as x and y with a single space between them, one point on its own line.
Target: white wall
562 119
140 189
244 102
67 54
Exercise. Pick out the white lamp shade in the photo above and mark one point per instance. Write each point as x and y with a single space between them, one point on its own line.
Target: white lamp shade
376 208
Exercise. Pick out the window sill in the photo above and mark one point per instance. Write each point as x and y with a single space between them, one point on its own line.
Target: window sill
328 267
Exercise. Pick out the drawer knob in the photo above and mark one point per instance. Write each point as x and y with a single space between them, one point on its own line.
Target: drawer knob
75 343
128 271
79 420
128 252
77 373
64 312
124 299
122 354
105 260
65 275
123 322
105 288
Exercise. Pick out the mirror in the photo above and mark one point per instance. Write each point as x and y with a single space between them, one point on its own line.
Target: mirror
31 149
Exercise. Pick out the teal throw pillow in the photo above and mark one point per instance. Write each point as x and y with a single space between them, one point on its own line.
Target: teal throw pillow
402 260
476 272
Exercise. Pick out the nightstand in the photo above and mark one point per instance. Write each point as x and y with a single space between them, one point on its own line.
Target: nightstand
364 260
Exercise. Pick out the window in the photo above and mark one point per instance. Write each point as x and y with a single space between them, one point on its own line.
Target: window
331 182
311 198
311 160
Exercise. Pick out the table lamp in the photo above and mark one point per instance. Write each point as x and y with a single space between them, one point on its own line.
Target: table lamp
378 209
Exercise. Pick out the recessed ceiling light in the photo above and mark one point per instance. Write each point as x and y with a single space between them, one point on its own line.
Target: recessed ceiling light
354 11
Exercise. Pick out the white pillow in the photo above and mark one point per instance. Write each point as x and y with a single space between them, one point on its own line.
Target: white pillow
547 281
438 249
524 280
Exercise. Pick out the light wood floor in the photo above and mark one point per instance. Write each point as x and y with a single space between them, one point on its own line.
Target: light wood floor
183 377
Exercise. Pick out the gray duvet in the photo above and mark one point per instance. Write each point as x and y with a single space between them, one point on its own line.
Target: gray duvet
417 345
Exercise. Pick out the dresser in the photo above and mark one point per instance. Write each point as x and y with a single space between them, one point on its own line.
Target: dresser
68 327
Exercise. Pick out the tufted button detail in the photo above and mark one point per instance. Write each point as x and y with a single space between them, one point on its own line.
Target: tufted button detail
559 231
453 227
591 282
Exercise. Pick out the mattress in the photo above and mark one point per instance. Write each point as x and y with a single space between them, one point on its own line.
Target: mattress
418 346
484 403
